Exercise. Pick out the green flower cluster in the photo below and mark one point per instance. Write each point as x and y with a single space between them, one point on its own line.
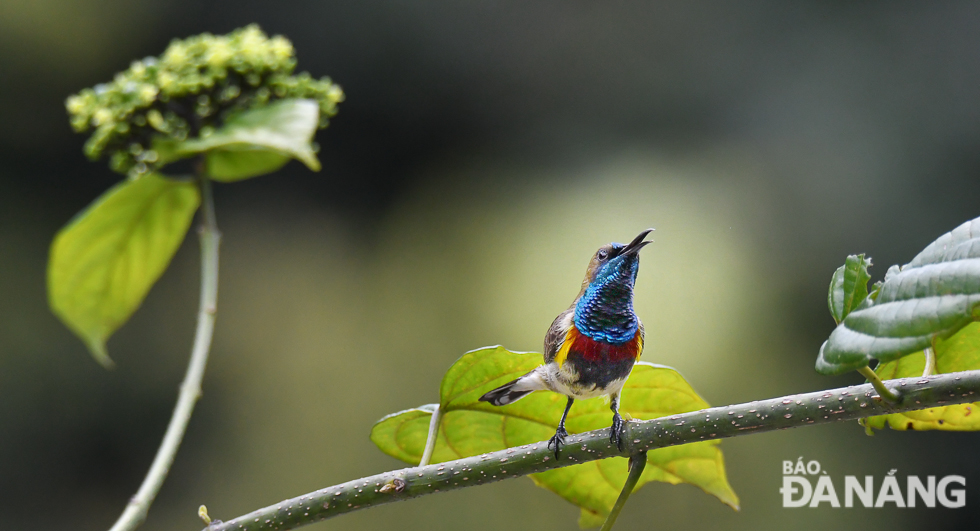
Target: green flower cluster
188 92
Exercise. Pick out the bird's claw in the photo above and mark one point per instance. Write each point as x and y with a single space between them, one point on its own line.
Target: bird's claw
557 440
616 431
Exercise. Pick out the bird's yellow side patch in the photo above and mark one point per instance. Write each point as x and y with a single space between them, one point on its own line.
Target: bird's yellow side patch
566 345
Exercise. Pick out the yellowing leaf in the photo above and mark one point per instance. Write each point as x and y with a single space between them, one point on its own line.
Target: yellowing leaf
961 352
105 260
470 427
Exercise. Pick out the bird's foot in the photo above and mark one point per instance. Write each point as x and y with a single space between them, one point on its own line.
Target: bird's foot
558 440
616 431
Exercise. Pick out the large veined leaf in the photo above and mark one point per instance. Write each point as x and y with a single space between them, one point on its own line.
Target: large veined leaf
470 427
930 298
961 352
254 142
105 260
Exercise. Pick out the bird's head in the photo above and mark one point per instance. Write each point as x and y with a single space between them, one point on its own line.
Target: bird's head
615 262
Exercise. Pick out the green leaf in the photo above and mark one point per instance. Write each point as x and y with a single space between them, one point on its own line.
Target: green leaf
470 427
403 434
932 297
961 352
849 286
105 260
254 142
228 166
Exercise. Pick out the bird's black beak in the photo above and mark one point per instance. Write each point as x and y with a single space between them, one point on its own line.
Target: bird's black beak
638 243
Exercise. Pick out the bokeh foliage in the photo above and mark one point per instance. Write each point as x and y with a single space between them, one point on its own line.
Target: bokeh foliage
194 87
104 262
231 101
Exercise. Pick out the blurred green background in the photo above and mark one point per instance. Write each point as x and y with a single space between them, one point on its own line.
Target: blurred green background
484 151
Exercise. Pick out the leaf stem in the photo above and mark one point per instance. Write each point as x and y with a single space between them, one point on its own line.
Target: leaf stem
637 463
190 388
430 441
930 368
884 392
793 411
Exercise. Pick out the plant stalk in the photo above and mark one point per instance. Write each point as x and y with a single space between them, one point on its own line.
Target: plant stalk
430 442
884 392
793 411
190 389
930 367
637 463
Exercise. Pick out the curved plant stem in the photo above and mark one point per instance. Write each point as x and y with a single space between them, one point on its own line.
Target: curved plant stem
430 441
190 389
793 411
930 368
637 463
879 386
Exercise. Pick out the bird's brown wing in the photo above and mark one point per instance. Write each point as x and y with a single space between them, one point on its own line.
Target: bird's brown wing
556 334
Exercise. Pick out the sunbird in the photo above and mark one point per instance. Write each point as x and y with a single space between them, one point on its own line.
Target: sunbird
591 347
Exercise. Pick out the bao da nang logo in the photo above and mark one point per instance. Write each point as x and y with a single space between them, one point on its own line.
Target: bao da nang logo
806 485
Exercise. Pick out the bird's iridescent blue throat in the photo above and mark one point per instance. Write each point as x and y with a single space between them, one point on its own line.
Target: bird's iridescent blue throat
604 312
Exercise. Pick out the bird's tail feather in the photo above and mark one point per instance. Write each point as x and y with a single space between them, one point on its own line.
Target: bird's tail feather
514 390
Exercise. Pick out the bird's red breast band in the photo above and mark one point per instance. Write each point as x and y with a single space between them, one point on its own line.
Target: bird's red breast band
595 351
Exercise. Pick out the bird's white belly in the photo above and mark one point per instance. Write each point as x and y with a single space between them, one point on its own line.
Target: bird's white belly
564 380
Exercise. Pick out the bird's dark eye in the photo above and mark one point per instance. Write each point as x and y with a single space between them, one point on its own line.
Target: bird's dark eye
603 254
